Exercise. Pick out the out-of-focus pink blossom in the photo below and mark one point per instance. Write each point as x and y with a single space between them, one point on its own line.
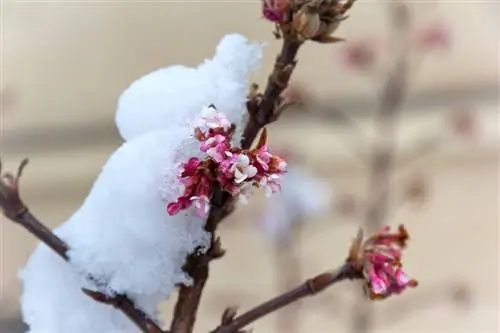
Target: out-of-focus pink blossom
434 35
379 257
463 122
359 55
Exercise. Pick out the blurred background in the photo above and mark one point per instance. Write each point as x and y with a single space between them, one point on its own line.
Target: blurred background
64 64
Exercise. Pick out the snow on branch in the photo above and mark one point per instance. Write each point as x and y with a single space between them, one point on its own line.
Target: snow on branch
148 225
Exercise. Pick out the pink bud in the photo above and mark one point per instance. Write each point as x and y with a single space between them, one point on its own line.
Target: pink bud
274 10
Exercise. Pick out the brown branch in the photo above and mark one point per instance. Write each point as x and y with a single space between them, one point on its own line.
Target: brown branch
288 272
15 210
308 288
197 265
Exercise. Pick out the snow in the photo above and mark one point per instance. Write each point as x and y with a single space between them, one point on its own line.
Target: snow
175 94
122 236
302 197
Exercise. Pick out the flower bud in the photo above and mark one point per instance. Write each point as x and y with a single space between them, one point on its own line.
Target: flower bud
306 23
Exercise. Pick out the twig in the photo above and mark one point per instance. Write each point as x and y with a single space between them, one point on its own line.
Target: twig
197 264
288 274
354 125
308 288
382 159
15 210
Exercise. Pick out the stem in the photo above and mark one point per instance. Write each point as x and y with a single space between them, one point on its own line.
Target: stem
382 159
197 265
308 288
277 82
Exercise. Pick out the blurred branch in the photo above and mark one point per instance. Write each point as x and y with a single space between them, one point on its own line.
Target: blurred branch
15 210
355 126
233 324
288 274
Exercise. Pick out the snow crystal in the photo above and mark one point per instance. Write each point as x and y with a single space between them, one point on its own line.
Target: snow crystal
123 237
302 196
174 95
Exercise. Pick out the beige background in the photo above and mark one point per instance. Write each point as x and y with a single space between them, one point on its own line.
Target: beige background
65 64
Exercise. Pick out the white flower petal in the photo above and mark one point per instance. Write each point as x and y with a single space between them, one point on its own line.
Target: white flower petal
250 171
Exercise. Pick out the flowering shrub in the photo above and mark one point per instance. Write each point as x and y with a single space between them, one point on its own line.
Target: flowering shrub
122 247
236 170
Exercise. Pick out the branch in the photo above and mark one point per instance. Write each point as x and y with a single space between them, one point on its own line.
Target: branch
197 264
15 210
288 273
308 288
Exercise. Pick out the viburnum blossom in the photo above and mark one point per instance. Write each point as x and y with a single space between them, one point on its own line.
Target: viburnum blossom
379 257
236 170
274 10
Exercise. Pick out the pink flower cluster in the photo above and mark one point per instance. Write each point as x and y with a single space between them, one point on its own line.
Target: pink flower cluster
380 258
383 267
235 169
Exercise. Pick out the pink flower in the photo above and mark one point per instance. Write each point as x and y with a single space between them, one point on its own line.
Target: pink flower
274 10
242 169
202 205
174 208
209 119
197 190
236 170
271 184
263 157
380 259
378 284
215 147
190 167
435 35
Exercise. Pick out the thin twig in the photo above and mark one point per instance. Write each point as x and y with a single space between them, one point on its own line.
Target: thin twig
354 125
288 274
308 288
15 210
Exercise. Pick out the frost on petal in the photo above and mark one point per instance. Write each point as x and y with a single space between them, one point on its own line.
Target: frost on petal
173 96
123 237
